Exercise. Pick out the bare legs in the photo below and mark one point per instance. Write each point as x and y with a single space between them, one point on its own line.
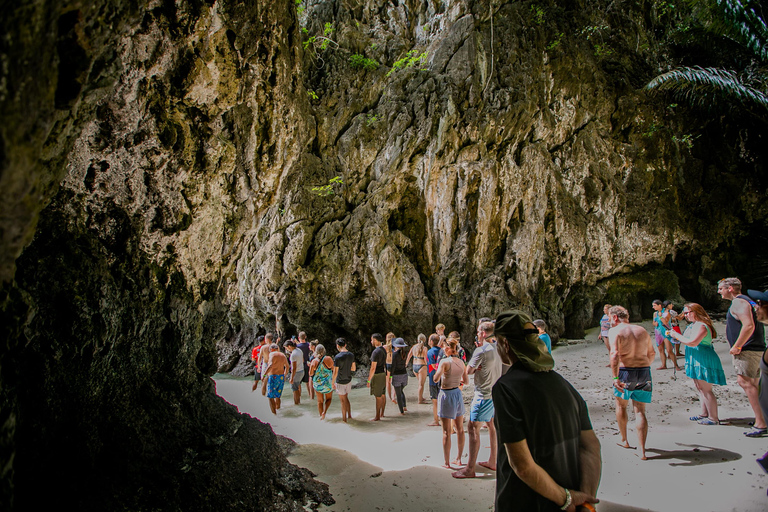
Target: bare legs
346 408
422 379
381 403
666 352
641 424
274 405
448 425
323 402
474 449
750 386
708 400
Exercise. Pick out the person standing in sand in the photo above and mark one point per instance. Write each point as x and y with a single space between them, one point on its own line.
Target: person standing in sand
321 371
296 361
631 357
433 358
661 324
264 358
747 340
452 373
303 345
274 380
485 365
419 354
605 326
398 373
702 363
550 458
343 368
377 376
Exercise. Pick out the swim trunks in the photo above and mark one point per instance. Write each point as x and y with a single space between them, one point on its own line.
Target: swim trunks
378 384
481 409
637 384
275 386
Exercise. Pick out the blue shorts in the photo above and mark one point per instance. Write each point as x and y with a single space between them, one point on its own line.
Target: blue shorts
275 385
638 385
481 409
450 404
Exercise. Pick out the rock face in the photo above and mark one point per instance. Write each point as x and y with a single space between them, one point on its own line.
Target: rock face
169 170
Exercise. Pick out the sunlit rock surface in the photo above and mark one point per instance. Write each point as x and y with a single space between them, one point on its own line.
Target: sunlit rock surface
167 196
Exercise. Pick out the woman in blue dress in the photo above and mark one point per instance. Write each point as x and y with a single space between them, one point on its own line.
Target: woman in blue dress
702 363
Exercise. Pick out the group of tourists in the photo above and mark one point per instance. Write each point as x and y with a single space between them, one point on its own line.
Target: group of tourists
543 448
632 352
306 363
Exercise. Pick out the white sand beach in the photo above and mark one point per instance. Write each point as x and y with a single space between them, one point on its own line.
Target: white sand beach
394 464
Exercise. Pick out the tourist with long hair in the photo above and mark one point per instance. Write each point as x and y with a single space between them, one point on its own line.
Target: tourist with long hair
388 349
419 354
451 373
321 371
702 363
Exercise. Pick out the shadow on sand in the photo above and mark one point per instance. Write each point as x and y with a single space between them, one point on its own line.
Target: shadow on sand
697 455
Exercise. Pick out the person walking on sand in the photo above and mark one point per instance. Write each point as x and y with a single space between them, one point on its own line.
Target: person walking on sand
746 337
296 361
257 362
343 368
303 345
761 313
661 324
419 354
605 326
377 375
549 456
264 358
485 366
433 358
399 373
702 363
277 369
631 357
321 371
674 322
452 373
388 348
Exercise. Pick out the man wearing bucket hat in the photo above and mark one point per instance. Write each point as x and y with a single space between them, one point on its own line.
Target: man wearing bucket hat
551 456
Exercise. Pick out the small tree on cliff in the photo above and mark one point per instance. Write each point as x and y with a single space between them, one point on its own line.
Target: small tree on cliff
739 22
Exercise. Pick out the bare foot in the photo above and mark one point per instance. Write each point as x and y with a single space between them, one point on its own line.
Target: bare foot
677 368
422 402
457 462
435 424
447 466
662 368
643 457
375 419
488 465
625 444
463 473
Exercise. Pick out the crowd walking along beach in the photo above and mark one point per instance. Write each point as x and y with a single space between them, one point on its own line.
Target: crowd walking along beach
543 449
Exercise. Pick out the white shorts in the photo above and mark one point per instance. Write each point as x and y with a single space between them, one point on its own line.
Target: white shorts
343 389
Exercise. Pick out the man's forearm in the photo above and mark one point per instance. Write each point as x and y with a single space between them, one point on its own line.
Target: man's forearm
746 332
536 477
590 463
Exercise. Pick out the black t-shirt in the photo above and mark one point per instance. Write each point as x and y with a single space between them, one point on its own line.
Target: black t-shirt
379 356
304 347
344 362
398 362
545 410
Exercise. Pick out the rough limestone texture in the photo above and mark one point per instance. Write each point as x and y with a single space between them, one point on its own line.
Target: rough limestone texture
167 173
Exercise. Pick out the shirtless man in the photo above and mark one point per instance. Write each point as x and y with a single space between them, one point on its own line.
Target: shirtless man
263 359
274 376
631 357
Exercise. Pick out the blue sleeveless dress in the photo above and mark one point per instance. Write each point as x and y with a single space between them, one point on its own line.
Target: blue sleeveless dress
702 362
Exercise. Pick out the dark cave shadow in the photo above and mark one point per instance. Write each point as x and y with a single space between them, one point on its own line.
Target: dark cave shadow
696 456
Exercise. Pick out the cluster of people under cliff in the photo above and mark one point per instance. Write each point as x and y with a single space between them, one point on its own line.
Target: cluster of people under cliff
549 456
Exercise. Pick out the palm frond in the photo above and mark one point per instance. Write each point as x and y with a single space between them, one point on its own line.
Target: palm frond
737 20
707 87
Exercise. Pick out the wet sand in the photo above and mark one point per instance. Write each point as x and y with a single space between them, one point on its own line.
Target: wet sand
394 464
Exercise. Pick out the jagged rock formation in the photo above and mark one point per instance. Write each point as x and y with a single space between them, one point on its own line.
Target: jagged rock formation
158 166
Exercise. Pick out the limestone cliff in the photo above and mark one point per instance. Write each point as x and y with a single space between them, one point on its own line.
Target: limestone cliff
169 170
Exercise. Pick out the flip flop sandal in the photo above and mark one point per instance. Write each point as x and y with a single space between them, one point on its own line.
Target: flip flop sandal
756 432
697 418
707 421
